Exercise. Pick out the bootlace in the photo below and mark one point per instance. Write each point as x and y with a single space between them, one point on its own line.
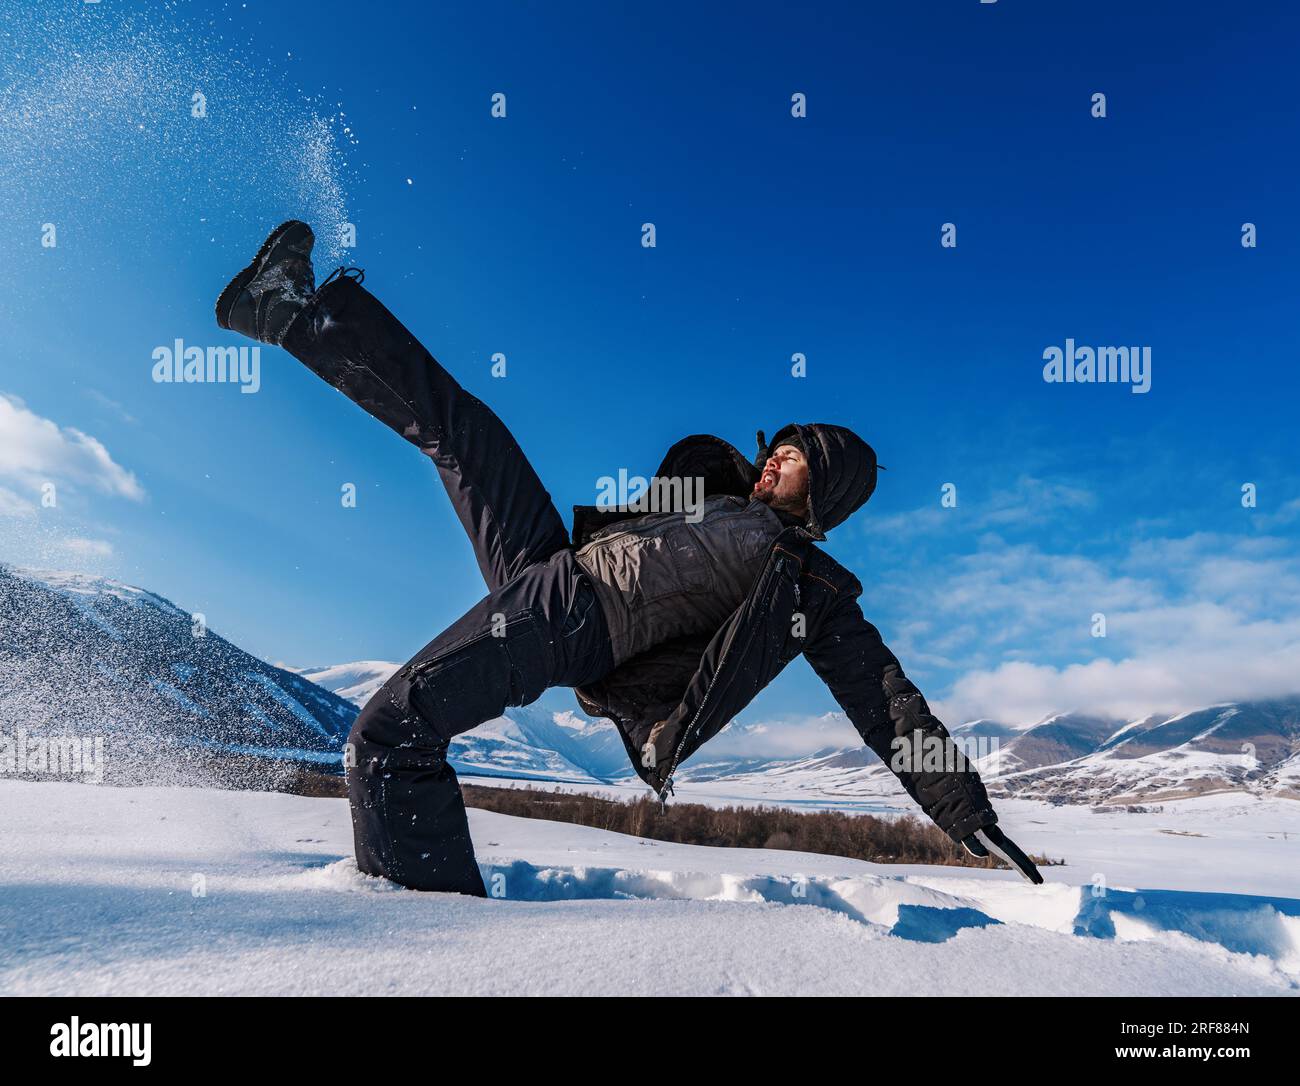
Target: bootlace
357 275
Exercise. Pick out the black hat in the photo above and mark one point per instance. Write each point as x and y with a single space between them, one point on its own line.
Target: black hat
841 470
765 449
790 439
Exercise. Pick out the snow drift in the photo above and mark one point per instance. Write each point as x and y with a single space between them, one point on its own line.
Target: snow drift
186 891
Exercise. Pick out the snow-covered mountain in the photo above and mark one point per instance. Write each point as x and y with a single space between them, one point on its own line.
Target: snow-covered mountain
544 745
357 681
86 656
1248 747
89 656
530 743
1067 757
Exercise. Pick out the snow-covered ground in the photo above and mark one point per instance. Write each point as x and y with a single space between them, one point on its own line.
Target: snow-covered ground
1231 842
101 895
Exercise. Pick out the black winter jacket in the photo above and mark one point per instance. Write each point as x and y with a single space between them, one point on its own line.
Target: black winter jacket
693 686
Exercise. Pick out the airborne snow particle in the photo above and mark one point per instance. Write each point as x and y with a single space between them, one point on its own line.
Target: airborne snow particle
206 121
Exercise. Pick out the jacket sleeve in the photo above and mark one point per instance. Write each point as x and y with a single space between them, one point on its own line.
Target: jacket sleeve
894 720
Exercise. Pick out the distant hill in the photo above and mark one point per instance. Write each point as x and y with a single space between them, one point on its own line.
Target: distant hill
1236 747
86 656
89 656
357 681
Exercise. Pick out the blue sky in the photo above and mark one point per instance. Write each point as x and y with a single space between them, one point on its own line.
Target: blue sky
775 235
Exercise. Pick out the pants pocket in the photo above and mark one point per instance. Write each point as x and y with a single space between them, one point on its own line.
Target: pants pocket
476 680
530 660
580 611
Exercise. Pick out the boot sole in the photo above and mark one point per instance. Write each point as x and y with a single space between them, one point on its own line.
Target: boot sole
233 289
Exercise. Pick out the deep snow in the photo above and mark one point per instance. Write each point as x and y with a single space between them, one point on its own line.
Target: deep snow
98 897
1230 842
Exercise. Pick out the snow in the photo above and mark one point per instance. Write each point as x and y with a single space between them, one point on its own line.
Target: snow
100 898
179 697
71 134
91 587
292 704
1238 842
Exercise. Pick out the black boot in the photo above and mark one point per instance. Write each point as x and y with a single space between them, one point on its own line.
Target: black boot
263 299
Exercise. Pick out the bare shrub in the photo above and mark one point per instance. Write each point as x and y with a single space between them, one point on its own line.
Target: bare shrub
902 840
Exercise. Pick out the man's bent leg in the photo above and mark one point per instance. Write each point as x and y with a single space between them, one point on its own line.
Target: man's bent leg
543 629
348 338
408 816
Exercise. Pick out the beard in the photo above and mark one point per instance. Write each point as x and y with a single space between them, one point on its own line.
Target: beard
770 495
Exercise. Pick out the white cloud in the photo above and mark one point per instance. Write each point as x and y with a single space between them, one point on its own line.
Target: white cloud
1027 501
795 737
14 505
111 405
1189 621
35 451
1287 513
88 548
1172 679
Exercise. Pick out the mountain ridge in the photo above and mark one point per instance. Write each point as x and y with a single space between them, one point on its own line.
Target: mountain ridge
91 653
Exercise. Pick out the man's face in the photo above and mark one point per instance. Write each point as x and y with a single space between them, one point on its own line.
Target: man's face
784 483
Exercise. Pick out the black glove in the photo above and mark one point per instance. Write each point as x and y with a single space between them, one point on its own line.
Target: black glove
992 840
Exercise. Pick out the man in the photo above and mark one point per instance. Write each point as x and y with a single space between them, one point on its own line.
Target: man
666 624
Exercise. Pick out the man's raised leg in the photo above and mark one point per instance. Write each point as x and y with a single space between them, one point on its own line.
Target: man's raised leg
348 338
408 816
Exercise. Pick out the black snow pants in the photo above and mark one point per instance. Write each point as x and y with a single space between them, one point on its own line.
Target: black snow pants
539 626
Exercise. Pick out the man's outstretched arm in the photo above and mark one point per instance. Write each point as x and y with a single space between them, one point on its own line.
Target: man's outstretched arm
894 720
